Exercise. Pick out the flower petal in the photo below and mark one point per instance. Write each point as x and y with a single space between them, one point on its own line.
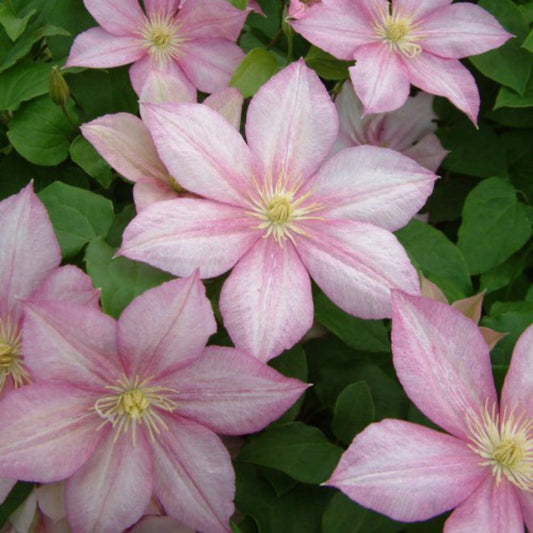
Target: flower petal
428 152
291 125
110 491
380 78
184 234
149 191
48 432
526 502
181 321
159 524
375 185
417 9
461 30
442 361
448 78
350 111
356 265
51 498
406 471
69 343
126 144
228 103
5 487
210 63
492 508
96 48
29 249
118 18
162 7
518 386
162 88
202 151
193 476
231 392
266 302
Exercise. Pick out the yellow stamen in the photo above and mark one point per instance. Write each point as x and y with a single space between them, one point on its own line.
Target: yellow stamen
160 35
11 355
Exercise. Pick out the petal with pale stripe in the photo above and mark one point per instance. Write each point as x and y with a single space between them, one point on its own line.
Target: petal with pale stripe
228 103
118 18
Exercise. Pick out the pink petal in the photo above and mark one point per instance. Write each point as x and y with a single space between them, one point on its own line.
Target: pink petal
141 70
126 144
428 152
24 516
445 77
266 302
5 487
163 87
418 9
356 265
406 471
110 491
213 19
375 185
48 431
202 151
181 321
442 361
159 524
526 502
193 476
163 7
430 290
29 249
491 337
148 191
68 283
492 508
461 30
350 111
184 234
339 26
380 78
231 392
518 387
70 343
98 49
51 498
291 124
228 103
118 18
209 63
471 307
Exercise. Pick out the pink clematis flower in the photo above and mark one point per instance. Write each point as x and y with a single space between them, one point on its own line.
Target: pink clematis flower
408 130
403 42
271 208
194 40
297 8
124 141
484 467
128 409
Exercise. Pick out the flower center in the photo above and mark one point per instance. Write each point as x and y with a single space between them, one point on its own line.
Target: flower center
279 209
506 445
398 32
133 403
11 355
160 36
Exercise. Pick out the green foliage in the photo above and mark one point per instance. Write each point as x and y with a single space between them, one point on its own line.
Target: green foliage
24 81
83 153
327 66
256 68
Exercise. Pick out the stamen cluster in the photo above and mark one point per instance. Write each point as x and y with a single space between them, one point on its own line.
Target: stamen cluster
11 355
398 32
161 37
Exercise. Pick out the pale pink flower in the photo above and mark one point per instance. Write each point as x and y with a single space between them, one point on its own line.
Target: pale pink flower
272 210
194 40
124 141
408 130
484 467
403 42
128 409
297 8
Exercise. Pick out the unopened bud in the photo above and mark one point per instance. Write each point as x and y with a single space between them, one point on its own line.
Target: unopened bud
58 88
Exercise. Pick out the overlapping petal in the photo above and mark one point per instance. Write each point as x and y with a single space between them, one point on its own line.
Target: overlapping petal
148 191
164 7
118 18
184 234
375 185
356 265
291 124
428 152
442 362
418 9
180 322
163 87
228 103
266 302
406 471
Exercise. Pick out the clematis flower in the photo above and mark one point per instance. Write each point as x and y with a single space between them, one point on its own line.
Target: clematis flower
271 208
408 130
193 40
484 466
403 42
297 8
124 141
129 409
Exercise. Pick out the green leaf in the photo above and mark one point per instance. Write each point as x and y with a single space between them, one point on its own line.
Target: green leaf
365 335
354 411
83 153
509 98
438 258
78 216
15 499
13 24
256 68
495 225
120 279
528 43
41 133
509 64
327 66
300 451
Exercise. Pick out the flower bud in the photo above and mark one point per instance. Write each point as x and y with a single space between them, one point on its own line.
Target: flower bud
58 88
